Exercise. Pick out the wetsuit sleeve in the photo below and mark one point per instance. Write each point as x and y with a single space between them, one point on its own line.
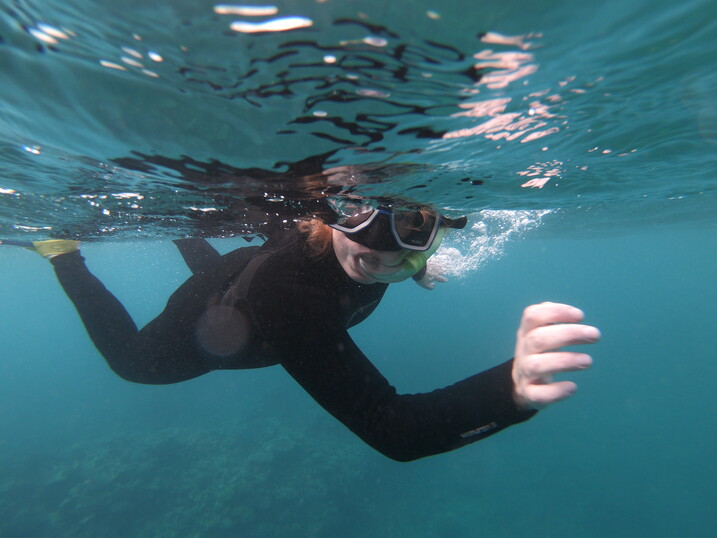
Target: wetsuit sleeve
323 358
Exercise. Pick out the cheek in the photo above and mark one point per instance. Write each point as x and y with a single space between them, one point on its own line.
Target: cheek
343 251
345 248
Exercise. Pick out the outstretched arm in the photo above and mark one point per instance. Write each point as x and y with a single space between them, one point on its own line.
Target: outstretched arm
404 427
315 349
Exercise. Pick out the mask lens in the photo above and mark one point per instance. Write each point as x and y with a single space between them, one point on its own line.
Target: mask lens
352 216
415 229
375 233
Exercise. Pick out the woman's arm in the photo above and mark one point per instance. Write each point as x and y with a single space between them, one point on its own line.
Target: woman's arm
320 355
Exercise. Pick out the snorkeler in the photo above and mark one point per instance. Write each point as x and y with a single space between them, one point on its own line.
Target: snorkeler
292 300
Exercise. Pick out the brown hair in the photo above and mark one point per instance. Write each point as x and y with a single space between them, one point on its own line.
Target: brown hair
318 237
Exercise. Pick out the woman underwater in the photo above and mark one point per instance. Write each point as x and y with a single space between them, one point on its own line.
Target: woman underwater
292 300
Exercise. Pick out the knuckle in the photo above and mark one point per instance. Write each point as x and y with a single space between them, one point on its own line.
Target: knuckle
530 313
535 339
530 365
563 363
538 365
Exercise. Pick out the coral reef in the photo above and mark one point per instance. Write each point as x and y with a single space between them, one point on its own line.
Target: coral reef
262 477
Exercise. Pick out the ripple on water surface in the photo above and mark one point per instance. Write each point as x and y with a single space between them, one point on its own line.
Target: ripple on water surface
140 120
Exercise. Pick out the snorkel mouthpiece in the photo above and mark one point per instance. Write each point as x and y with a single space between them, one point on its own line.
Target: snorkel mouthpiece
413 262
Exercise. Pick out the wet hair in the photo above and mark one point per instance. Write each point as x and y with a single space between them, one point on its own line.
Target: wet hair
318 237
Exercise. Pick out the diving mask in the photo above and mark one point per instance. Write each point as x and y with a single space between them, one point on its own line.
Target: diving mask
412 263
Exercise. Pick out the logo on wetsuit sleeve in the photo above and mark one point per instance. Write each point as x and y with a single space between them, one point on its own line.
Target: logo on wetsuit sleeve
480 431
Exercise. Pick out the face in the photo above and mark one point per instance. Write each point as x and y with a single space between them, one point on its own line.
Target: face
361 263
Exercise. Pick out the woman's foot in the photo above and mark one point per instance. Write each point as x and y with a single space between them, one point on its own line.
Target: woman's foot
54 247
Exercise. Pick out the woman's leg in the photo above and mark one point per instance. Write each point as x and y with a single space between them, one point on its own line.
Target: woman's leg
198 254
163 352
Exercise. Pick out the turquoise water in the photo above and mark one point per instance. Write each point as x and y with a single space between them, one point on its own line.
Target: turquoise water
626 231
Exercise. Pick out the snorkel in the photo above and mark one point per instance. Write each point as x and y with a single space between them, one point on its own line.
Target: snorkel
412 263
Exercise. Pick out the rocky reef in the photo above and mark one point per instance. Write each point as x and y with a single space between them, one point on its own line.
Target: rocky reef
262 477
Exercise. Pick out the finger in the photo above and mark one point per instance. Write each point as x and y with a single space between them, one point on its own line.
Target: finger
544 395
544 365
440 278
552 337
541 314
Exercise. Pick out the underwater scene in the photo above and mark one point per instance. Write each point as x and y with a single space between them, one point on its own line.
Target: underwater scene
578 138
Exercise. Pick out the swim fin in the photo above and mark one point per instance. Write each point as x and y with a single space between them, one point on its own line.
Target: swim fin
47 249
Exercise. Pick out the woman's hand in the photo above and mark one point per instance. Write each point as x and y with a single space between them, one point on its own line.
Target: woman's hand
433 275
544 329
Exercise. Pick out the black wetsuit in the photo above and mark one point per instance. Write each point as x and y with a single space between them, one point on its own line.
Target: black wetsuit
258 306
